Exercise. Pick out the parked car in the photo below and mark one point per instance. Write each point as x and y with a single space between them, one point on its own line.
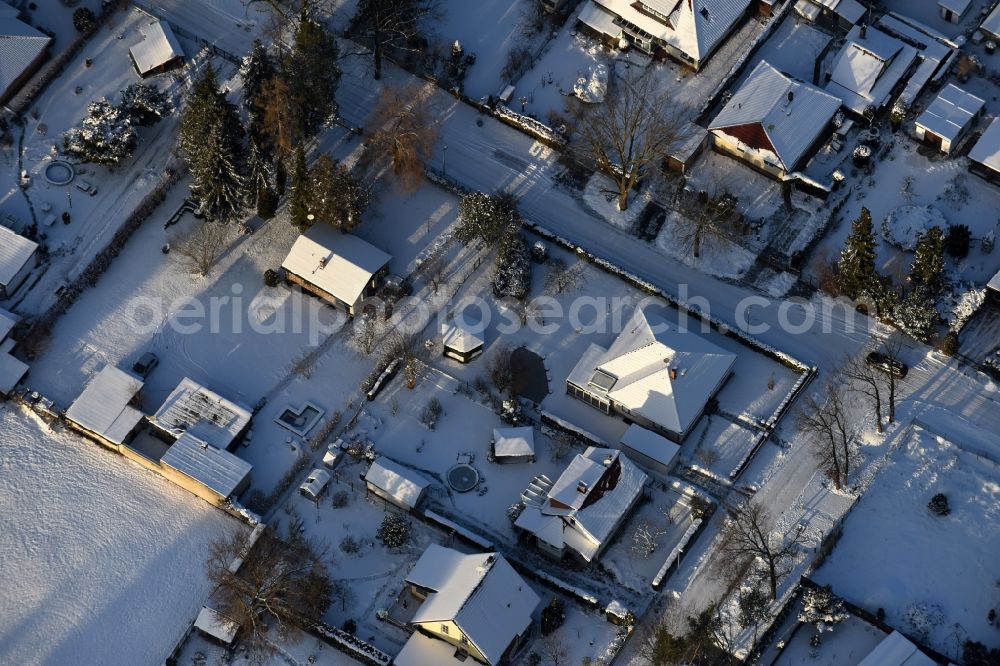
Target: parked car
885 364
314 484
145 364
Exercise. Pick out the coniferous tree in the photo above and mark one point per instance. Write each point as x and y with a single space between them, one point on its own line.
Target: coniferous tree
917 313
312 74
259 179
857 260
928 261
486 218
211 141
300 195
257 69
105 136
337 197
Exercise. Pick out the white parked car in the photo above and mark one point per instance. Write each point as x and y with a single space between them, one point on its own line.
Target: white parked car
314 484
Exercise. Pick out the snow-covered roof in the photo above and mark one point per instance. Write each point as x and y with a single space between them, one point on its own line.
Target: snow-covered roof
868 68
657 371
987 149
600 19
400 483
104 405
514 441
650 444
338 263
694 27
205 414
216 625
15 250
950 112
896 650
20 45
12 370
481 593
994 282
216 469
957 6
7 11
461 336
791 114
7 322
159 47
849 10
420 650
991 24
589 499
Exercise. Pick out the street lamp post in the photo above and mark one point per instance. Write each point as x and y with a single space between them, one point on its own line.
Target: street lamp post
444 161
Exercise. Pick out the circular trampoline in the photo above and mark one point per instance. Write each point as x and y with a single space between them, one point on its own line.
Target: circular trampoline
59 172
463 477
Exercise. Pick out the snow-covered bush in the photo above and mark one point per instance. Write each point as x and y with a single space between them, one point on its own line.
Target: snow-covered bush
553 616
594 87
145 104
271 278
432 412
917 314
105 136
394 532
822 609
514 511
939 505
923 618
964 306
512 276
350 545
904 225
83 19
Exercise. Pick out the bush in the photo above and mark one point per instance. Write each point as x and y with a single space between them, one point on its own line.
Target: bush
512 276
957 241
949 344
539 253
83 19
350 545
939 505
394 532
350 626
271 278
340 499
553 616
431 413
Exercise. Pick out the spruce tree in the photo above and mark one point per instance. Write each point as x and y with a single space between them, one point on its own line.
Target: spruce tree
337 197
490 219
300 195
928 261
259 178
312 74
917 313
257 68
857 260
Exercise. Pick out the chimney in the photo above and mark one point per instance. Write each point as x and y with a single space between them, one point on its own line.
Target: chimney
673 373
582 487
791 96
863 31
322 262
607 460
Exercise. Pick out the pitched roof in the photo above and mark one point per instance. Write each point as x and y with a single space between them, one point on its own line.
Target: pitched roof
868 68
950 112
987 149
338 263
159 47
20 45
204 413
461 336
514 441
7 322
896 650
792 114
694 27
12 370
103 407
15 250
481 593
650 444
991 24
401 483
218 470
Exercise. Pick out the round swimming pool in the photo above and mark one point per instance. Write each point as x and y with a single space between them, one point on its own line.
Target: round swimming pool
463 477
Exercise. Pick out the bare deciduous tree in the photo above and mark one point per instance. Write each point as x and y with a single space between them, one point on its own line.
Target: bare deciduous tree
283 581
708 214
366 333
750 533
402 137
392 26
635 128
827 420
646 539
892 348
200 249
554 651
868 382
562 276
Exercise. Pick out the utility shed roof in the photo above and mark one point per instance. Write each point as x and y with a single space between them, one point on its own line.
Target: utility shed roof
20 45
15 250
987 149
514 441
193 408
218 470
158 48
104 406
401 483
950 112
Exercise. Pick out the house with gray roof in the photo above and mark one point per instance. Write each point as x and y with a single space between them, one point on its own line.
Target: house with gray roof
868 68
16 255
948 118
22 50
984 158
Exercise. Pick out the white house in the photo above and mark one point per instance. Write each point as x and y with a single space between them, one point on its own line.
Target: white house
687 30
12 370
16 254
395 483
514 445
337 267
953 10
104 411
205 414
158 51
22 50
470 606
984 158
214 474
649 449
952 113
868 68
773 122
580 512
654 374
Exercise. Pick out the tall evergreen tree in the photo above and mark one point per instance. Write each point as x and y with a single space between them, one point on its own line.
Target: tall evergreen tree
490 219
917 313
312 74
337 197
300 195
857 260
259 179
211 141
928 261
256 70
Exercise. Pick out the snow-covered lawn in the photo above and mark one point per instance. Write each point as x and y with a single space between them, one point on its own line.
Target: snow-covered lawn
848 643
930 573
103 560
297 648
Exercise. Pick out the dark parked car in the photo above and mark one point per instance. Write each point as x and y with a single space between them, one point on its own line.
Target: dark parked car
145 364
886 364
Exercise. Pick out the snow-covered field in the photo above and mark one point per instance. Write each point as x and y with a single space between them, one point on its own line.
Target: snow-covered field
935 576
103 561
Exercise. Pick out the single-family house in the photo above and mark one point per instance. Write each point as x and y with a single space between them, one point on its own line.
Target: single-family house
896 650
105 411
395 483
461 340
948 118
16 260
953 10
984 158
211 473
470 606
654 374
22 51
340 268
159 50
842 13
649 449
990 27
12 370
513 445
774 122
868 68
688 31
580 512
192 408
